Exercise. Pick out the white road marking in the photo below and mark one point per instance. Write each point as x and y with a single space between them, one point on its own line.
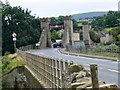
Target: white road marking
115 62
113 70
101 68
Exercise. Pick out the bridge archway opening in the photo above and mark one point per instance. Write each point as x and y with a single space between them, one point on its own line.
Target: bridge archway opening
57 34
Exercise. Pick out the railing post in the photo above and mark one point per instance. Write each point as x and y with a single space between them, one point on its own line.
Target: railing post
61 69
50 66
58 73
54 66
64 74
52 72
94 76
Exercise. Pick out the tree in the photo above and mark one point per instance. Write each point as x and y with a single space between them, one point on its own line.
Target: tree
94 36
116 34
27 27
55 35
81 35
60 19
75 24
111 20
53 20
98 22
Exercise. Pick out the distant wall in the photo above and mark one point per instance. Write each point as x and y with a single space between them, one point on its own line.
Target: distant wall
76 36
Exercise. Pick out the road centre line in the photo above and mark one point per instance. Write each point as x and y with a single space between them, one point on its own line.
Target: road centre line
113 70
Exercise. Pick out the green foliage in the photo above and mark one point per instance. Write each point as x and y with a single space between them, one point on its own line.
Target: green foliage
116 34
110 23
75 24
58 20
109 20
81 35
108 29
113 46
98 22
26 26
55 35
115 31
104 47
104 54
94 36
53 20
7 62
108 43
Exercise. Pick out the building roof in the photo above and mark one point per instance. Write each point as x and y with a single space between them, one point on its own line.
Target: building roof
102 33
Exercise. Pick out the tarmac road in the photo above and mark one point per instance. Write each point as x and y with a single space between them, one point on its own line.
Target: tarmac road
107 69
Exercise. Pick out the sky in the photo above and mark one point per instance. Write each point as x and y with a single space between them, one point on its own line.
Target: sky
49 8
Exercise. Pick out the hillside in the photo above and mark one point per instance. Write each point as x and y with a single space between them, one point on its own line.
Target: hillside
88 15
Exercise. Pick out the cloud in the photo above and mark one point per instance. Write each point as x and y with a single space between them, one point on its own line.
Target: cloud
64 7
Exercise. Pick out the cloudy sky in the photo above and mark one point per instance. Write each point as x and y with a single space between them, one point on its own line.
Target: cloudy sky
48 8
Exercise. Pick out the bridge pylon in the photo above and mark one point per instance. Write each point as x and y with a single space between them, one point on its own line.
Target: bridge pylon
86 36
68 31
45 38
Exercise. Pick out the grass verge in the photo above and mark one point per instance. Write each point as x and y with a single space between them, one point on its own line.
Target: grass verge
9 62
114 55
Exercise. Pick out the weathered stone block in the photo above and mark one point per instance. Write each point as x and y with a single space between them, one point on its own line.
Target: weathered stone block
84 79
82 74
87 84
73 77
74 85
75 68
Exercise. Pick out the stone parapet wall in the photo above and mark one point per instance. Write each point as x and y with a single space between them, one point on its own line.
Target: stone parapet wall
22 54
25 48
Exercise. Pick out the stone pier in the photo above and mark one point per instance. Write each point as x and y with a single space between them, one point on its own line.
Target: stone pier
86 36
45 39
68 31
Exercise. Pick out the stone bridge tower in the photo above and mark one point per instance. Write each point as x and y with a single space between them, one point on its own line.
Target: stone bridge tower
86 36
45 39
68 31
